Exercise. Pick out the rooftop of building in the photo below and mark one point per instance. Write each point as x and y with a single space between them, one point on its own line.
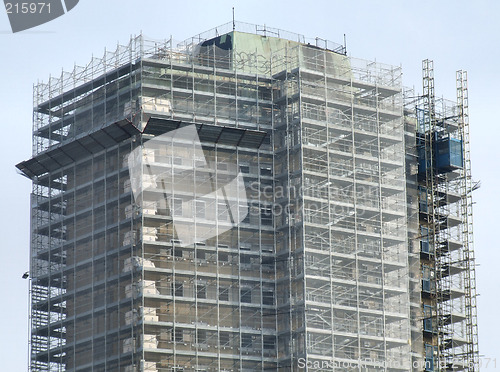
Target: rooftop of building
144 47
261 30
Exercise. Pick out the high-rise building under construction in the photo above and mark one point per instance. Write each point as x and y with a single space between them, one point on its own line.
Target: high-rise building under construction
249 200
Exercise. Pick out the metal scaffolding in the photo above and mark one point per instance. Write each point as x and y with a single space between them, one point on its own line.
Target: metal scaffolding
449 325
340 142
143 259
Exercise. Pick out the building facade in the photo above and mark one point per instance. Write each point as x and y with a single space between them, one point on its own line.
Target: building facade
248 202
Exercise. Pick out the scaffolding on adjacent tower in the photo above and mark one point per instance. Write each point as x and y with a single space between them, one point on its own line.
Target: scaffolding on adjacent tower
445 218
467 233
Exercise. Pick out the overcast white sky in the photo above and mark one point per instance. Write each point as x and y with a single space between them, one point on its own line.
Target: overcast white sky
455 34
